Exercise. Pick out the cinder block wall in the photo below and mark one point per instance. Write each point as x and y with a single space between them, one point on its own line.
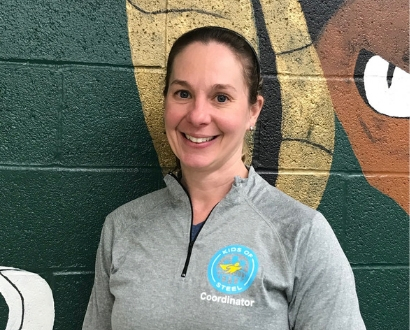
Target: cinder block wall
73 141
74 145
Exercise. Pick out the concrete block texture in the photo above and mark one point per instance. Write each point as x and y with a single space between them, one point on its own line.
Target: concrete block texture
30 102
52 218
69 31
102 122
81 128
376 231
383 293
71 293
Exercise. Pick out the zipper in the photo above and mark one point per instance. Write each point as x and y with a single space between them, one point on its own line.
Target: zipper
188 257
191 242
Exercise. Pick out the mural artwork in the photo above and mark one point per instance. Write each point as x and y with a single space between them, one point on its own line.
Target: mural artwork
373 108
360 42
29 299
352 68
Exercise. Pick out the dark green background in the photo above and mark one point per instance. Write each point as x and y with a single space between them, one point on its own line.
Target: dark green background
74 146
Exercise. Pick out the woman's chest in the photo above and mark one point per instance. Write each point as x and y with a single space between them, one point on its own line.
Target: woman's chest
230 282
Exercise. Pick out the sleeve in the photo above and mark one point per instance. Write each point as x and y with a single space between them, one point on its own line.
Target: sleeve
98 315
324 294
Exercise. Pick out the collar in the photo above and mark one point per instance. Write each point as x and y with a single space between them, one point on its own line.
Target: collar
239 185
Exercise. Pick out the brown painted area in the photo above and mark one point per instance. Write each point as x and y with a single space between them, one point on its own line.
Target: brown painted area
380 142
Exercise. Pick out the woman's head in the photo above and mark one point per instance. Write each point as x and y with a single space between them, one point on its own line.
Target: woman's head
211 98
231 39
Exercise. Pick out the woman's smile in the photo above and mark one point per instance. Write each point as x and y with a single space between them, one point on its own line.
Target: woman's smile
198 140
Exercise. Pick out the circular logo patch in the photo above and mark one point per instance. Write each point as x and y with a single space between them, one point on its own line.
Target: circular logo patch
232 269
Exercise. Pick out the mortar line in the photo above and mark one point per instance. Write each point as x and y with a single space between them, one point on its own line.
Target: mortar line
59 142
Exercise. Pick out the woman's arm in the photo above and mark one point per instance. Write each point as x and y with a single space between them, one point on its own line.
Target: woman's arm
324 295
98 315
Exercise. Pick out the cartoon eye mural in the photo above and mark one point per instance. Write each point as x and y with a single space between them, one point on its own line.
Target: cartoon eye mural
29 299
382 85
365 59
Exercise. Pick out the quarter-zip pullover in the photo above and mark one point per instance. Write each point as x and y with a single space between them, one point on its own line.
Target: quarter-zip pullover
262 260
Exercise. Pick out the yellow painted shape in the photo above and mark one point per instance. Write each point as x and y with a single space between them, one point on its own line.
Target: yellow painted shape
286 24
147 33
150 84
307 110
237 16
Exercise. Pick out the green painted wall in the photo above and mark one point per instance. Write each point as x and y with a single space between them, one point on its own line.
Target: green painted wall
74 145
73 141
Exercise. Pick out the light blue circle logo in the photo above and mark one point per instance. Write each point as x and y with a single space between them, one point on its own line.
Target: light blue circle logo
232 269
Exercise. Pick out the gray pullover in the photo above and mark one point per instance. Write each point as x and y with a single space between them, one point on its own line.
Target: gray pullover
262 260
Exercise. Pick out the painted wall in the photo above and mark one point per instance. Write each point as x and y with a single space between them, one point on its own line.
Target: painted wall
81 133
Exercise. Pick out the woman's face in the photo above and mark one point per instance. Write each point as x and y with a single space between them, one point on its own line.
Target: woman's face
206 108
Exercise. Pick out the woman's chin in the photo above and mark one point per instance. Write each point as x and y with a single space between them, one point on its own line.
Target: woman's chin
195 164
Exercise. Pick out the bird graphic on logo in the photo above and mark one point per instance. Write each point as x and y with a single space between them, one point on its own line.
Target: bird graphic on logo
231 268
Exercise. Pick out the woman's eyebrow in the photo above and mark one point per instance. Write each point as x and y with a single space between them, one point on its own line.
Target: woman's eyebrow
220 87
180 82
223 87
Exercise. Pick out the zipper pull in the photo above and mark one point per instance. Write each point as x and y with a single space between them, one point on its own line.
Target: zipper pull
188 257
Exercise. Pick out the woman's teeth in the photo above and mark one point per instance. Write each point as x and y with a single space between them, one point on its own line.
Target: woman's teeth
198 140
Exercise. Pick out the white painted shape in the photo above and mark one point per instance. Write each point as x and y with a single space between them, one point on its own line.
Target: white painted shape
393 101
14 302
38 300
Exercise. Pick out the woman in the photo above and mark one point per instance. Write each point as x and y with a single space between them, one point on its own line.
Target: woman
219 246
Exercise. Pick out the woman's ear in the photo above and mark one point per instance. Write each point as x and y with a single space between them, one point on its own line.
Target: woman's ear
256 110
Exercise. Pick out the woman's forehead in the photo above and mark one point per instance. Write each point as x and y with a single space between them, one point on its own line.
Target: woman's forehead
207 55
211 64
213 48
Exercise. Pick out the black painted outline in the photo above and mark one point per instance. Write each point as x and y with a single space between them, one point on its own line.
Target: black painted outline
295 49
166 11
268 136
362 59
15 287
319 146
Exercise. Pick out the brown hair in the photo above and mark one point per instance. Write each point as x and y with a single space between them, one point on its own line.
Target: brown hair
236 42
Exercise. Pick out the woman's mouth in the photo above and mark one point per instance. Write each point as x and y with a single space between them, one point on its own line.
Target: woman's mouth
198 140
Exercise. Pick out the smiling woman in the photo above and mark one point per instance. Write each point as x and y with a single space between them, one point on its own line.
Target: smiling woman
218 227
153 27
207 110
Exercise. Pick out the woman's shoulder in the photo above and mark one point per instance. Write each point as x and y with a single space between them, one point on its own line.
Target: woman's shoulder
136 208
288 217
276 205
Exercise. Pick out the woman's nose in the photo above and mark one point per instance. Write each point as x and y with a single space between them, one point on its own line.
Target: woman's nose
199 113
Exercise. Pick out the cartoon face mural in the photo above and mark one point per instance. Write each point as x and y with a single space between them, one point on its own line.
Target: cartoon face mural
307 123
29 299
364 50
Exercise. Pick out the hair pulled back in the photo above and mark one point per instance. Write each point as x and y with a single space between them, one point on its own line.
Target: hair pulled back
238 45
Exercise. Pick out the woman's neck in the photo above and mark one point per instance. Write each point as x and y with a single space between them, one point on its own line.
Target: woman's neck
206 189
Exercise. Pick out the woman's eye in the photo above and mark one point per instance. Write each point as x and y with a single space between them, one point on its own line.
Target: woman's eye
183 94
221 98
383 86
